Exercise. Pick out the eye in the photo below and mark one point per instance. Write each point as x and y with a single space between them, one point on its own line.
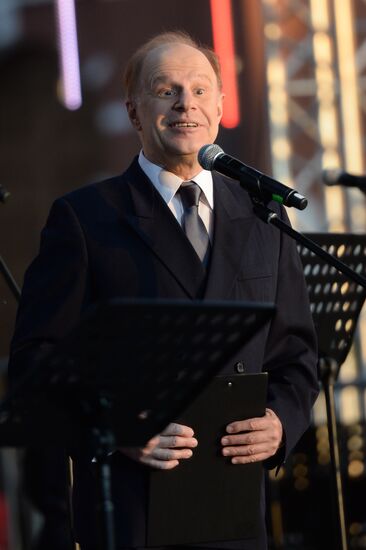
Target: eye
166 92
200 91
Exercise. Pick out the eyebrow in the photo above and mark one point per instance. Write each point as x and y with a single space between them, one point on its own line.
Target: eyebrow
161 79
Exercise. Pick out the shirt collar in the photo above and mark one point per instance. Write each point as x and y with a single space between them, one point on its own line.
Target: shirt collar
167 183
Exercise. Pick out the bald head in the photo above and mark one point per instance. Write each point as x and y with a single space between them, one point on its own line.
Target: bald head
172 59
132 75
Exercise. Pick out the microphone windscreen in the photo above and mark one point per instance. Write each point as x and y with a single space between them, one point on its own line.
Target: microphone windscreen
207 155
332 176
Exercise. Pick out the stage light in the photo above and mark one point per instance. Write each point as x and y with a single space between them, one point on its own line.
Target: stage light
223 39
344 20
356 468
272 31
319 14
350 406
69 55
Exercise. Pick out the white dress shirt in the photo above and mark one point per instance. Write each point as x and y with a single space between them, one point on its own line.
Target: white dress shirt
167 184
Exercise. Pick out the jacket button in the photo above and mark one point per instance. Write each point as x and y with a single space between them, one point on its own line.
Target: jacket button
239 367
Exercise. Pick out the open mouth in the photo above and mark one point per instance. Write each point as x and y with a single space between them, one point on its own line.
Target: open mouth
183 125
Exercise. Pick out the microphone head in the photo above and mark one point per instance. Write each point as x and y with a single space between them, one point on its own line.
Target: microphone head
332 176
207 155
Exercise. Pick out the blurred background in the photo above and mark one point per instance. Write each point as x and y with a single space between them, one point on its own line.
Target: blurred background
295 84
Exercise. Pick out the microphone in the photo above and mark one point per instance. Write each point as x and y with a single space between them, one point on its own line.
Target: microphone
339 177
212 157
4 194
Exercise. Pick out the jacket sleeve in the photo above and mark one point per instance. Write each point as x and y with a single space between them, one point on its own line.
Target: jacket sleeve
54 290
291 351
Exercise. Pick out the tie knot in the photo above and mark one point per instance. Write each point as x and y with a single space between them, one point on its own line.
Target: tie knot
190 194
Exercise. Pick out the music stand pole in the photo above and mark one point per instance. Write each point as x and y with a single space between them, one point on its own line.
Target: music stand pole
104 443
329 370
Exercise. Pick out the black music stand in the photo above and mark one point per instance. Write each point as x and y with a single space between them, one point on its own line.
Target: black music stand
336 304
124 373
333 263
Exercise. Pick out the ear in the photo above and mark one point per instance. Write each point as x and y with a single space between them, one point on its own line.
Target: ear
132 114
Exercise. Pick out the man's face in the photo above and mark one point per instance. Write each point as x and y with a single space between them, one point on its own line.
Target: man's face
178 106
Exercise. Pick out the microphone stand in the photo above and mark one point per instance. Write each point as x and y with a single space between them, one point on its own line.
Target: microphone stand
15 290
328 367
268 216
9 279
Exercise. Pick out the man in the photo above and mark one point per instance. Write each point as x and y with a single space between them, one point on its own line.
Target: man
123 237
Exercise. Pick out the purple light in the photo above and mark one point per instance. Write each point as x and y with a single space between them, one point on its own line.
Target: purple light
68 51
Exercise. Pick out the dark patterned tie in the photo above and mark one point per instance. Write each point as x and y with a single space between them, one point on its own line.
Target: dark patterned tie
193 225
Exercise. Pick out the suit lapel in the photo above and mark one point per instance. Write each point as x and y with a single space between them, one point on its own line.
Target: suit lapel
152 219
233 222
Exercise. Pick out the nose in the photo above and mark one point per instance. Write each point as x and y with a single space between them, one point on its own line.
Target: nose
185 100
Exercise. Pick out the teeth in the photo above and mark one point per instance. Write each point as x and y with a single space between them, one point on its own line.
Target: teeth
185 124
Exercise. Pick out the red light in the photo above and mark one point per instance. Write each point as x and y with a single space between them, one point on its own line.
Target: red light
223 39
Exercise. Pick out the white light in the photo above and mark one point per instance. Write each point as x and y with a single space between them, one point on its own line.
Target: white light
69 56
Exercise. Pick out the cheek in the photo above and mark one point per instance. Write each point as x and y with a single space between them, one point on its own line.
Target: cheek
213 113
214 120
157 119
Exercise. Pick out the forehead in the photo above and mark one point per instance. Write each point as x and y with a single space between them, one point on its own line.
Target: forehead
176 60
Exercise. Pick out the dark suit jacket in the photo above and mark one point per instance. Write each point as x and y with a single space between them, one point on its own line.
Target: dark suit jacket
119 238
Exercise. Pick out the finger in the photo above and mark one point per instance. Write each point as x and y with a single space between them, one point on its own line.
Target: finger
250 425
178 429
250 459
171 454
271 437
248 450
276 422
162 459
271 413
177 441
248 438
153 442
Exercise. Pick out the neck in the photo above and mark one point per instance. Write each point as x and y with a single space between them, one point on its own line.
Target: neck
185 168
183 172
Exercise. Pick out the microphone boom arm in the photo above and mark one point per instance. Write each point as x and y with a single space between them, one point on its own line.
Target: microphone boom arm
268 216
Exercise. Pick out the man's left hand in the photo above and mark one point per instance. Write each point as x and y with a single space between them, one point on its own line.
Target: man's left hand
254 439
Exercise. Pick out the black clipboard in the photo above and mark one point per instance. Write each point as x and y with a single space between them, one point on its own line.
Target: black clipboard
206 498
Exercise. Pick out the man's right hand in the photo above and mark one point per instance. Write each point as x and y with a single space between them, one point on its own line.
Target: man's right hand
165 450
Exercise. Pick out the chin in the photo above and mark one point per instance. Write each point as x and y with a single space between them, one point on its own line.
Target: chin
190 148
